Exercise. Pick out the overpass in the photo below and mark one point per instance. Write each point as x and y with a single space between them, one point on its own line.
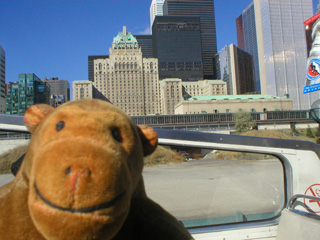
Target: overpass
226 121
11 124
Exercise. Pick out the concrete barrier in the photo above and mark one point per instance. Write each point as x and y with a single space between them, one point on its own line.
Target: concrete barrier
6 178
6 145
286 126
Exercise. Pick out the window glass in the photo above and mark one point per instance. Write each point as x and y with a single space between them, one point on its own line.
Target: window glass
203 187
13 145
200 187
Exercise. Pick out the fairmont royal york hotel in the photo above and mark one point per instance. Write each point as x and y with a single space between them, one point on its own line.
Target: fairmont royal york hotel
127 79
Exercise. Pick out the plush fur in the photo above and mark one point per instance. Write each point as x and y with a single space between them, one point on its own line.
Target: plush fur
81 178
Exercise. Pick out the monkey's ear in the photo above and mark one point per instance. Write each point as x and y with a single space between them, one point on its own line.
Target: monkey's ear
35 114
149 139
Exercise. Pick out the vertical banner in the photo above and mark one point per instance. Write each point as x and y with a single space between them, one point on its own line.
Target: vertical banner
312 26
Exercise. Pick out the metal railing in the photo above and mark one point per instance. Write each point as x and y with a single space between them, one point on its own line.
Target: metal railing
14 136
293 200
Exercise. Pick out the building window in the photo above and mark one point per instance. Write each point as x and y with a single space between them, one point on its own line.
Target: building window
217 210
81 92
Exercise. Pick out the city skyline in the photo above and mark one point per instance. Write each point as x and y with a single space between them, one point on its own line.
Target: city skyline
54 38
44 27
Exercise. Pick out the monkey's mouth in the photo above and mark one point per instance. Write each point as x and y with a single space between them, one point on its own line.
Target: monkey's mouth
102 206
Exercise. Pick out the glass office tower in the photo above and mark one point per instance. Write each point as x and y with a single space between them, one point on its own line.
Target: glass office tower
282 49
247 40
177 45
2 80
240 37
234 66
145 42
29 90
156 9
59 91
205 10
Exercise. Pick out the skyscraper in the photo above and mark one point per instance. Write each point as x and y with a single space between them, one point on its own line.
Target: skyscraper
247 40
240 36
29 90
234 66
177 45
282 48
59 91
127 79
145 42
205 10
2 80
156 9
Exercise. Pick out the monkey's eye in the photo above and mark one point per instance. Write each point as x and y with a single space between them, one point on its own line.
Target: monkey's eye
60 125
116 134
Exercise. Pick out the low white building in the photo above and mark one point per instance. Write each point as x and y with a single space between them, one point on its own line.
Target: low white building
233 103
206 87
171 94
82 89
174 90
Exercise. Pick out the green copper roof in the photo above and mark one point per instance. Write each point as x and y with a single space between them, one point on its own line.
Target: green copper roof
121 38
233 97
124 40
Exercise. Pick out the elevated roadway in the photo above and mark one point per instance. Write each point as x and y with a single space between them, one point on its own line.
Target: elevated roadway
193 122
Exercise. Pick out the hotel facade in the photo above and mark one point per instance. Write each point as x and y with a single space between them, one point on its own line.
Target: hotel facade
126 78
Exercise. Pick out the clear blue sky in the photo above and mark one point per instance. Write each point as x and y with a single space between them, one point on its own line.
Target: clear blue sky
53 38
